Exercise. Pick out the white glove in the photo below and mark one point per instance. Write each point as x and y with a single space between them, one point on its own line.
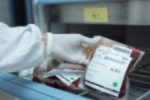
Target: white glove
68 47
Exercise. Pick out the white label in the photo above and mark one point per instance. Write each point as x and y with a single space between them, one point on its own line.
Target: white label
106 71
67 76
122 50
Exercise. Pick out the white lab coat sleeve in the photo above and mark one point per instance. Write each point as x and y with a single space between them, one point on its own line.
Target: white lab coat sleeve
20 47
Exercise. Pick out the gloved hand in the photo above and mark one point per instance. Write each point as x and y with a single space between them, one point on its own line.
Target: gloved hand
69 47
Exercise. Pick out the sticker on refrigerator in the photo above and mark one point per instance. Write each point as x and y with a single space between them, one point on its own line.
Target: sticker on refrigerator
96 15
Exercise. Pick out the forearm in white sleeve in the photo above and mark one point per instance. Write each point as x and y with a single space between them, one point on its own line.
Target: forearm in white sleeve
20 47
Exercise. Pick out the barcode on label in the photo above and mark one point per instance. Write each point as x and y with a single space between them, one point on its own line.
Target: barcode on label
114 60
123 50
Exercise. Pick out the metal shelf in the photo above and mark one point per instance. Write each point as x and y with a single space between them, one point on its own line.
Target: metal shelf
70 1
28 90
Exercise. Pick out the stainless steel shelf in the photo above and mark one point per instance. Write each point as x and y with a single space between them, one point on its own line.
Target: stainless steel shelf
70 1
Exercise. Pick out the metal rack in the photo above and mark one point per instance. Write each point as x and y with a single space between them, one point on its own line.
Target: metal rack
141 76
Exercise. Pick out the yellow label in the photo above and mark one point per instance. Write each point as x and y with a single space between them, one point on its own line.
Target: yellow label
96 14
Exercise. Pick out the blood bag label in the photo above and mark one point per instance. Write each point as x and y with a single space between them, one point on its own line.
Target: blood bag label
106 70
67 76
